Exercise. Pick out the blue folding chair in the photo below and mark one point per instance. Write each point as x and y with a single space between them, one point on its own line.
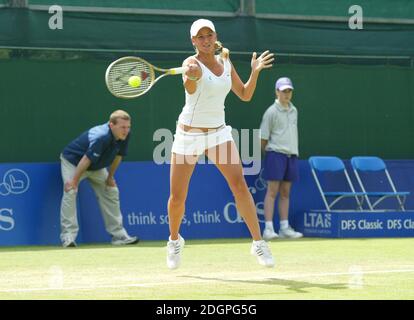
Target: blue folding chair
334 164
369 165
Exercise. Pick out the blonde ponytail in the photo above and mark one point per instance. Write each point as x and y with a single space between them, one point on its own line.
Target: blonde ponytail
224 52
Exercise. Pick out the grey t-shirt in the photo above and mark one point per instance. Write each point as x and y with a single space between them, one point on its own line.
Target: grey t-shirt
279 127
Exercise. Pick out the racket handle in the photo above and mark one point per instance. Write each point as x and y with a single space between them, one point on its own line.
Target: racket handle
179 70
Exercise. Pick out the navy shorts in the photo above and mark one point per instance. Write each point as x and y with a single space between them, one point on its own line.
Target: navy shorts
280 167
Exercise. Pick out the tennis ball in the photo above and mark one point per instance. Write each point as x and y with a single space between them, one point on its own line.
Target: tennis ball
134 81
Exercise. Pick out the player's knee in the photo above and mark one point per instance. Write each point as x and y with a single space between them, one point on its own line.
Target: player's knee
239 187
284 198
112 191
284 193
271 193
110 194
177 198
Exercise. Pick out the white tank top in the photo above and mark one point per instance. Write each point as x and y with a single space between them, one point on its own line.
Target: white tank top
205 107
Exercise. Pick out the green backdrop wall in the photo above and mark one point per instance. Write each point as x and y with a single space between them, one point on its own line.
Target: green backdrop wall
353 89
344 110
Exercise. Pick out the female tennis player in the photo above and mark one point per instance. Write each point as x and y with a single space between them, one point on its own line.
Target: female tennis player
202 129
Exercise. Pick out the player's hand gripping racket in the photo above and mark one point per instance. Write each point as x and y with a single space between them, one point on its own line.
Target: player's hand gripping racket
131 77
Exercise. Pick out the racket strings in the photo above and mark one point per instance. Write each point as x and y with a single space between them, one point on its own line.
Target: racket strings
120 73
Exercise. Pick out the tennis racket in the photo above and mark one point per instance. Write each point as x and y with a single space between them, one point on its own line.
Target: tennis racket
120 71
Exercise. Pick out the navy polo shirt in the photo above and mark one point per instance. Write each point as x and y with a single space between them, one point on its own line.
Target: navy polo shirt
99 145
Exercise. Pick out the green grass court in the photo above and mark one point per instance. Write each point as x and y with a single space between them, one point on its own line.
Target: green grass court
212 269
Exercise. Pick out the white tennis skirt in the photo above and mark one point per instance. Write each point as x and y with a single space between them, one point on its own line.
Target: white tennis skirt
195 143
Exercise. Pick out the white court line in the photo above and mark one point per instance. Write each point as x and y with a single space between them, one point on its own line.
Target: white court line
206 279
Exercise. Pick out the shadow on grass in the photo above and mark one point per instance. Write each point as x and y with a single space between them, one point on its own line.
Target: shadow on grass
291 285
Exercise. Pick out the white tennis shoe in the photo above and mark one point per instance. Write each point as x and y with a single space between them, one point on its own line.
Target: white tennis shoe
174 249
125 240
289 233
261 250
269 235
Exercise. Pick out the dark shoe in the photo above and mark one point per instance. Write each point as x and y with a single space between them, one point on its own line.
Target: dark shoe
69 243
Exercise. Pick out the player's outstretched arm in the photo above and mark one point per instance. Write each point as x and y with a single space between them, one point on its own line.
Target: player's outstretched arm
246 90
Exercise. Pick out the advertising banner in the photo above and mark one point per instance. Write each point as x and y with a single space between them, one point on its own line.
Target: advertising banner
356 224
30 196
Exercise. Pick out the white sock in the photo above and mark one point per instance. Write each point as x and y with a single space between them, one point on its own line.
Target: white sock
269 225
176 240
284 224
